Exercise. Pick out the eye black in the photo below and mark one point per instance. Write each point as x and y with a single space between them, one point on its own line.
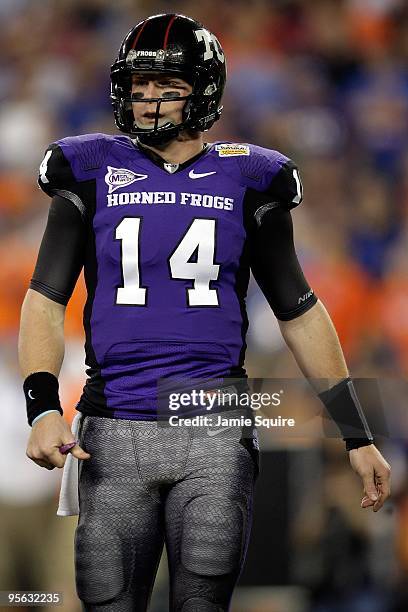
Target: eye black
170 94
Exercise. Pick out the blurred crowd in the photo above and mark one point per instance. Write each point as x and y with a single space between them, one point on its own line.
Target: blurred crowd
326 83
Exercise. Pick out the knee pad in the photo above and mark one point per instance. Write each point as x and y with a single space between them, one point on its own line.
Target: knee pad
212 538
99 563
198 604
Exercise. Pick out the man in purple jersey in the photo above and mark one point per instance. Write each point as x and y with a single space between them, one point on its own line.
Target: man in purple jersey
168 228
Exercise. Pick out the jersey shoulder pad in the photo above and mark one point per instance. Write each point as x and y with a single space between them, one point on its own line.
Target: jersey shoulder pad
273 174
55 171
69 164
86 152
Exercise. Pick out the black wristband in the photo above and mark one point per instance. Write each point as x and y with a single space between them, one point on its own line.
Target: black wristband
343 406
41 393
356 443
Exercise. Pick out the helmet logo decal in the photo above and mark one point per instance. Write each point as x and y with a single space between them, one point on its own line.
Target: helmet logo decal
210 89
158 55
132 55
116 178
211 44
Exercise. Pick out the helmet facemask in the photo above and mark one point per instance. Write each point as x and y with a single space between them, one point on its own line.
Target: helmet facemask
164 129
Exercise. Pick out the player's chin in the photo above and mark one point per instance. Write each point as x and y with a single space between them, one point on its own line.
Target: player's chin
148 124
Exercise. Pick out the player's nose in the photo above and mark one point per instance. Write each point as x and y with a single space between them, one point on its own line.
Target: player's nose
151 90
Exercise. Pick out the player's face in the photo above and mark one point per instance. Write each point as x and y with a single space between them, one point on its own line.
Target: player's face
158 85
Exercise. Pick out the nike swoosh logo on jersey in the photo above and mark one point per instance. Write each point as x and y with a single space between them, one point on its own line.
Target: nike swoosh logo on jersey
214 432
193 175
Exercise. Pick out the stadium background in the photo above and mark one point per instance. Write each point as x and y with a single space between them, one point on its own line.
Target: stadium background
326 82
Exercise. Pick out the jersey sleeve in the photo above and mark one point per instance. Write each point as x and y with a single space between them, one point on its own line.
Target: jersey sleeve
62 252
272 174
57 178
285 187
273 259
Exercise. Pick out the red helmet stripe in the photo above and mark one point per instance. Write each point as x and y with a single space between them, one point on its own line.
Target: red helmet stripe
166 36
138 34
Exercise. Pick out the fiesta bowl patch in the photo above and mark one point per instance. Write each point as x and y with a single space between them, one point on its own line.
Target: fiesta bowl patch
228 150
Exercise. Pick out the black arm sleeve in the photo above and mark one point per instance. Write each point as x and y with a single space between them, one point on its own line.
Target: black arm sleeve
62 252
274 262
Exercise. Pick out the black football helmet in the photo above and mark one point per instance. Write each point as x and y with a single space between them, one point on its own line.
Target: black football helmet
170 43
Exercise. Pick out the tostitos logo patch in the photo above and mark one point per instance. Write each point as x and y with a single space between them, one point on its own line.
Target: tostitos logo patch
231 149
121 177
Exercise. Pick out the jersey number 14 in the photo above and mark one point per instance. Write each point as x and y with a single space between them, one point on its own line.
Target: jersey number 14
199 238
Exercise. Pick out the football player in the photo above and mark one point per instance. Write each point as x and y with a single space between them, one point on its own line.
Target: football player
167 227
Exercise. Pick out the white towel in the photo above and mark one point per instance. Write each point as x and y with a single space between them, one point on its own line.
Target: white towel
68 499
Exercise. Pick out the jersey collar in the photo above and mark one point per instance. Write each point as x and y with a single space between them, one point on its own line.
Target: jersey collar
163 164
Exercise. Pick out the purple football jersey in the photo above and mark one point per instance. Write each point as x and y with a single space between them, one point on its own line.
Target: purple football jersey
167 269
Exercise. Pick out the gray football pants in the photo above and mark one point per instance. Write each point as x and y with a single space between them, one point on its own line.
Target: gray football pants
147 484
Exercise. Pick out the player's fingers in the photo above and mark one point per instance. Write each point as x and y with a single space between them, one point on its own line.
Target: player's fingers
369 486
384 493
380 502
44 464
366 502
66 447
79 452
384 484
55 458
39 457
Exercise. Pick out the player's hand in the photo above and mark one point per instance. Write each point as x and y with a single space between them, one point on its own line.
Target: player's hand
47 435
375 472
